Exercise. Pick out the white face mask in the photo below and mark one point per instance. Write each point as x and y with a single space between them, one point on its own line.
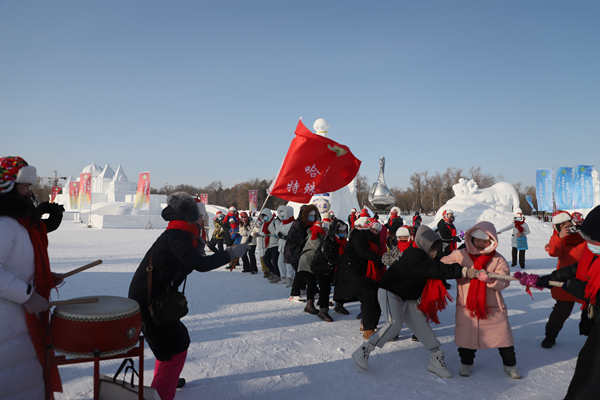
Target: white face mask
594 248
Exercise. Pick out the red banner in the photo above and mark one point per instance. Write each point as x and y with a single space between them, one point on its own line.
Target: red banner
253 200
85 190
142 197
204 198
55 191
73 194
313 164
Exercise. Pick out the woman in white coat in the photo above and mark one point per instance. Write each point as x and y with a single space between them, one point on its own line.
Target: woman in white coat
24 314
286 214
520 229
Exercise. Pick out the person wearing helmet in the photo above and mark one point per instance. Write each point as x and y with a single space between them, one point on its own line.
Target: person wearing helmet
218 237
352 217
567 245
392 226
520 230
351 280
447 231
248 259
582 280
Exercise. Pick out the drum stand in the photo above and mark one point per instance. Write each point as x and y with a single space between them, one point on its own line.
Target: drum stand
51 361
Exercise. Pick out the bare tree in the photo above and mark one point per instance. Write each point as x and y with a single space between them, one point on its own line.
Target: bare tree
418 182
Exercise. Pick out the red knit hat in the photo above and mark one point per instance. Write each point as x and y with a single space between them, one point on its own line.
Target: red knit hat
364 213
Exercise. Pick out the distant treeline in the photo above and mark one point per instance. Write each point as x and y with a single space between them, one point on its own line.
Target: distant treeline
426 193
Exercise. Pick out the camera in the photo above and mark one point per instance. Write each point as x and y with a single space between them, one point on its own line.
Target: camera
574 229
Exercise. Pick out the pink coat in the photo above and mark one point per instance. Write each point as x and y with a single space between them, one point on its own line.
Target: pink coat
471 332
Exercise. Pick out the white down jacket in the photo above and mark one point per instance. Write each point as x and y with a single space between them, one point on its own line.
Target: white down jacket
286 213
21 375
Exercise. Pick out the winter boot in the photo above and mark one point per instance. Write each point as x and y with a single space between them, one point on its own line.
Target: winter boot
438 366
267 274
297 299
275 279
282 281
289 282
324 314
340 309
361 355
513 372
414 338
180 383
367 333
310 307
465 370
550 339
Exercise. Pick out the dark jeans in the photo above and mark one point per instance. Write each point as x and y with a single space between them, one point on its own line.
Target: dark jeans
508 355
270 258
586 380
297 282
560 312
214 243
249 260
521 257
311 284
370 310
324 282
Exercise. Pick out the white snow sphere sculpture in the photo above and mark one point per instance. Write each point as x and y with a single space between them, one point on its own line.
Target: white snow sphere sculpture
321 127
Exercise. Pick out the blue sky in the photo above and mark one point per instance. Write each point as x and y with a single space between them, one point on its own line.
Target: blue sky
198 91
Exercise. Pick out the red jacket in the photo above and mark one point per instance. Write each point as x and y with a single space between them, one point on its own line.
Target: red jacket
568 250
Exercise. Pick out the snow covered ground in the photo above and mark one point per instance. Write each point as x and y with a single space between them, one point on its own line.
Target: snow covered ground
250 342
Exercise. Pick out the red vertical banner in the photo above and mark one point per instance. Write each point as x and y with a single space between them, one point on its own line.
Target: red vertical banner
204 198
253 200
142 197
73 194
55 191
85 190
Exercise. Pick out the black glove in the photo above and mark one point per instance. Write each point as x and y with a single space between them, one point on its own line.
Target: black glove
544 281
280 235
457 239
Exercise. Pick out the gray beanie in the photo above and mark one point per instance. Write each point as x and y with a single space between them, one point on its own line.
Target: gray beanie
426 237
185 205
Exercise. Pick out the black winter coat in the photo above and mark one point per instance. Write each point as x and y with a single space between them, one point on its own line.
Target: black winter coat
350 278
408 275
393 225
297 235
173 258
329 253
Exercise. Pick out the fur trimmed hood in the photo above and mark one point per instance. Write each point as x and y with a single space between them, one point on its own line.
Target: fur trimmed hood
181 206
306 211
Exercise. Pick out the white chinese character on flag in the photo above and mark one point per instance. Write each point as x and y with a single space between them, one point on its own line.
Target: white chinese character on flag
292 186
312 171
310 188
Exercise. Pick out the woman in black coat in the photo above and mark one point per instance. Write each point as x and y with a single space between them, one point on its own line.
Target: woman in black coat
350 280
176 253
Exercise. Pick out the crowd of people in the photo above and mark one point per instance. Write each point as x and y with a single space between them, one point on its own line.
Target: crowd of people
398 270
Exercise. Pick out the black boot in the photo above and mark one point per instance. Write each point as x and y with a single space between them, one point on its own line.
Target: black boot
340 309
180 383
324 314
310 307
550 339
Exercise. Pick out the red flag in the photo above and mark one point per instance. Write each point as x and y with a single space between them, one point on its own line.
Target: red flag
313 164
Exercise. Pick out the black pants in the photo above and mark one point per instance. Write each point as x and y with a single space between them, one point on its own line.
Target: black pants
249 260
270 258
320 283
560 312
508 355
521 257
370 310
214 243
297 282
586 380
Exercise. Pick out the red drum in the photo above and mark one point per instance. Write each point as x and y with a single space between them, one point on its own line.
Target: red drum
112 325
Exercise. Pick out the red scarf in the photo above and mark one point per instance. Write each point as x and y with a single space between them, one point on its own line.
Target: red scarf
519 226
289 220
266 231
404 245
588 270
434 298
190 227
476 299
373 270
44 282
452 245
341 244
315 230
